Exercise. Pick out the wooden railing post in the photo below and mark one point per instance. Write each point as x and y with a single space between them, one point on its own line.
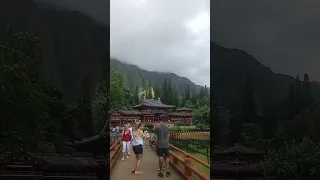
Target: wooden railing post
187 171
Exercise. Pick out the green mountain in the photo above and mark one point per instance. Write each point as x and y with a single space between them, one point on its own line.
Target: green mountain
134 76
228 72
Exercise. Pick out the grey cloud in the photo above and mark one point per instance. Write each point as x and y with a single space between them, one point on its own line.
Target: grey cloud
280 34
151 34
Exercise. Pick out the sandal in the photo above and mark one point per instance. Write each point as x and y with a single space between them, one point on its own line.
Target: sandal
168 174
138 173
160 175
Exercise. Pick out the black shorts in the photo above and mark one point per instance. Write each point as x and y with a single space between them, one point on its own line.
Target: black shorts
163 152
137 149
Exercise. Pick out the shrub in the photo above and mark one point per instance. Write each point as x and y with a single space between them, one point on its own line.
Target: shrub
150 126
201 127
181 124
175 128
184 128
294 161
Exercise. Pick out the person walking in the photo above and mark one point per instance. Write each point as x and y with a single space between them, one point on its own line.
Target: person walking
126 137
137 146
162 148
152 139
117 131
146 139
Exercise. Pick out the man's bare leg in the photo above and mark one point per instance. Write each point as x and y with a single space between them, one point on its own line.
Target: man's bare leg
160 164
166 164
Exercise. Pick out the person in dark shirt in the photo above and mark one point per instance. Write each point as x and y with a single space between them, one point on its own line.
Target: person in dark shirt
162 147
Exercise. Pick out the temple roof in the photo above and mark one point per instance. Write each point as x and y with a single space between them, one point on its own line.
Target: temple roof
153 103
127 112
184 109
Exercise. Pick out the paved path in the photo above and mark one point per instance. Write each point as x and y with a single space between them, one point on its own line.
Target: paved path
149 165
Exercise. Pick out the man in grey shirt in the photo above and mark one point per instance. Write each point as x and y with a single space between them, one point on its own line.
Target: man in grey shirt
162 143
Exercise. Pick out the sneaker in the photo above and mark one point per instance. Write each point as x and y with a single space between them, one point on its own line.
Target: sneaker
128 153
160 175
122 159
127 157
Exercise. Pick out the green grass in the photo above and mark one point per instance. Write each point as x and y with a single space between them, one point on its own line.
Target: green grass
204 159
195 163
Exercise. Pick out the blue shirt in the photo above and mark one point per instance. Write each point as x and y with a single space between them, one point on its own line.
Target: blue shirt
152 136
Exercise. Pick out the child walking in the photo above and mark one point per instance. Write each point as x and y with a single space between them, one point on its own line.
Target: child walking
146 139
152 140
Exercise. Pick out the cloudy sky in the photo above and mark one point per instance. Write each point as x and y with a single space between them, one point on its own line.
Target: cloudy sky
156 35
163 35
281 34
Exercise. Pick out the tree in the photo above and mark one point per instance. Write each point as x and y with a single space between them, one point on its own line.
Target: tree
69 122
164 94
248 106
206 92
201 115
136 96
151 93
215 128
157 91
117 92
26 101
144 83
85 118
187 95
175 97
195 96
298 93
252 136
291 104
169 92
307 93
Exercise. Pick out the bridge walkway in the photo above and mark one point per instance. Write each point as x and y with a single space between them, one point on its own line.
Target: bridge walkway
149 165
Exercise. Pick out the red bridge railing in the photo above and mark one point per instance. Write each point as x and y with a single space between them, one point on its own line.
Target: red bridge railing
115 149
181 163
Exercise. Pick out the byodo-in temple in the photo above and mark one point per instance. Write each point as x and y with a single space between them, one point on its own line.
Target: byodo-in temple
236 162
150 111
